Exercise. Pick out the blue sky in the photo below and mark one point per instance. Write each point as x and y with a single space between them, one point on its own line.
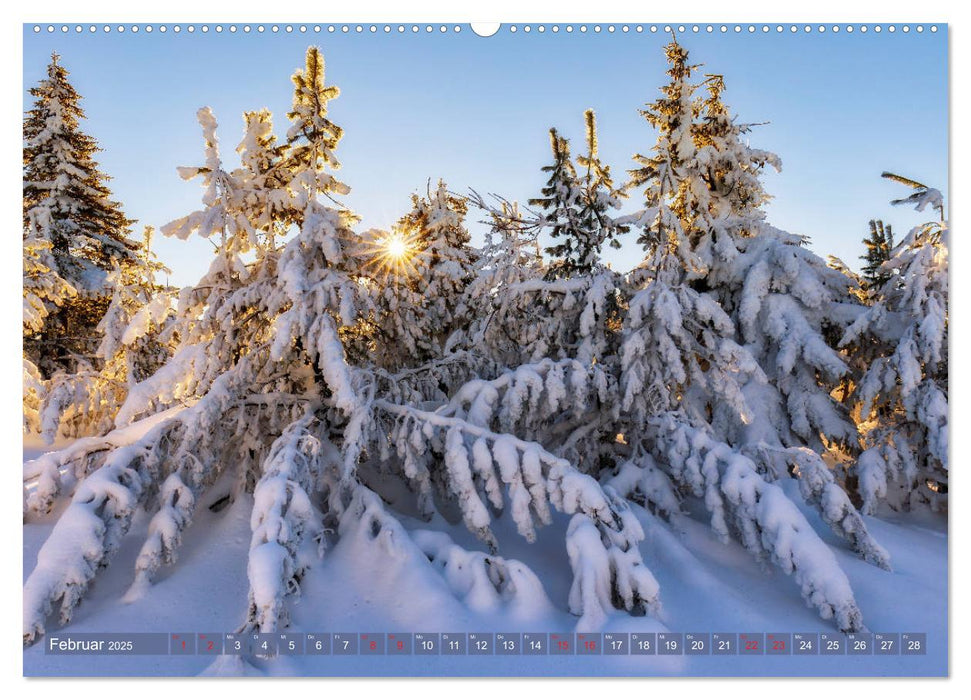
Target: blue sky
840 108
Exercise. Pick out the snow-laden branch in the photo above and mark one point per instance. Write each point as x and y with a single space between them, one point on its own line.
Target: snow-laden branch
481 463
819 488
88 533
484 582
55 473
287 531
743 505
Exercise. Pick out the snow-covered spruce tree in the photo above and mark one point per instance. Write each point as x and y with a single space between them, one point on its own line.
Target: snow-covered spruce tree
137 316
577 206
395 337
136 341
258 346
420 272
445 261
573 311
44 290
66 202
682 373
260 387
417 277
667 175
787 305
502 320
879 243
902 392
600 197
680 350
561 204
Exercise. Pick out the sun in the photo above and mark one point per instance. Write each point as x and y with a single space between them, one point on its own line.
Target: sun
391 254
396 248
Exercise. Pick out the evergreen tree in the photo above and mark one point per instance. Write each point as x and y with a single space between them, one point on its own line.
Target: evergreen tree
578 206
419 275
532 318
444 262
712 341
66 202
729 204
668 178
878 244
561 203
573 312
137 316
397 331
787 305
136 340
504 321
901 393
258 371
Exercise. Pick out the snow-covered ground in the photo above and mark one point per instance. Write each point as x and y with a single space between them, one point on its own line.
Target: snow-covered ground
386 584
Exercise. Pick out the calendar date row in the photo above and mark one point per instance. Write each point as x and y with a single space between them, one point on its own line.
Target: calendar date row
493 644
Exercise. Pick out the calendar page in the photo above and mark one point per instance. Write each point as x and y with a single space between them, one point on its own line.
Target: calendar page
547 349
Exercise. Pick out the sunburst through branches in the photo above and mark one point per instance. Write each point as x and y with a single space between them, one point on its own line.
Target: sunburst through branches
393 255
